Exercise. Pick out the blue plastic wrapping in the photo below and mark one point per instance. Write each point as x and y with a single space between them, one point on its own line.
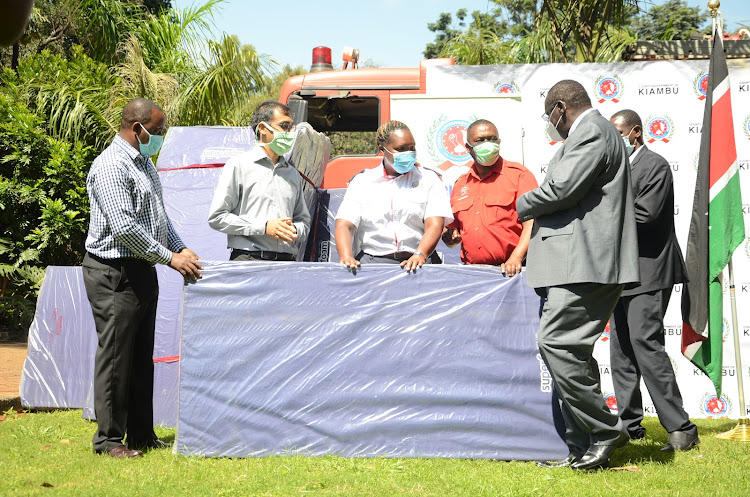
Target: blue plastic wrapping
59 364
310 359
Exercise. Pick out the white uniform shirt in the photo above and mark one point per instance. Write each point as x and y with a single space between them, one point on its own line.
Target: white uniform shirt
389 211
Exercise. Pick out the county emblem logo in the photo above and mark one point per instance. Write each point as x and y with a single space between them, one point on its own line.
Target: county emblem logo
611 401
447 141
511 87
715 407
659 128
609 88
700 85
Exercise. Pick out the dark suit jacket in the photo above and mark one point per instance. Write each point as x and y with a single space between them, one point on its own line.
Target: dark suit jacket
660 259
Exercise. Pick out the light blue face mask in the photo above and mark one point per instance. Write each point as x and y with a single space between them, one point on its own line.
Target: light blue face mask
629 148
403 162
153 145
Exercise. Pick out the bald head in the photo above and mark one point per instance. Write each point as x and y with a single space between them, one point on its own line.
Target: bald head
571 92
139 110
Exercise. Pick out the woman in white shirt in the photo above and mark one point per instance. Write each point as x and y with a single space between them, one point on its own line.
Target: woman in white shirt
397 210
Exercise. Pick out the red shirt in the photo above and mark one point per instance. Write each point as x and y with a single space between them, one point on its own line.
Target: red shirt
484 211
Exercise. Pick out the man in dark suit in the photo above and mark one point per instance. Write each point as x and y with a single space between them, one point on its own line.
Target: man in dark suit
583 251
637 337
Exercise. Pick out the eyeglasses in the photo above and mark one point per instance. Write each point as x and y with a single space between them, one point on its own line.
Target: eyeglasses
286 125
545 116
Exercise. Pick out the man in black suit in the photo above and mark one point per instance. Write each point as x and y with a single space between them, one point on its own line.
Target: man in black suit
637 338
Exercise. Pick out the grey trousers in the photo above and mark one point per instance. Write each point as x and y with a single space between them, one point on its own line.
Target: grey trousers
123 295
637 350
572 319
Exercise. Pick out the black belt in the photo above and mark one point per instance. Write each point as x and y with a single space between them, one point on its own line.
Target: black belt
120 261
267 255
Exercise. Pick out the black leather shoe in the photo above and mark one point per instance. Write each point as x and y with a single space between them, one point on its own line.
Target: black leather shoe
638 433
562 463
149 445
681 440
598 455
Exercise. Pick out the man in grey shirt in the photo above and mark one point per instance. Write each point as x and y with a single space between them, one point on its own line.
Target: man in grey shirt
258 202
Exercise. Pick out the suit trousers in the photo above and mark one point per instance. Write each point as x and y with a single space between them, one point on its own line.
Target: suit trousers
123 295
637 350
572 319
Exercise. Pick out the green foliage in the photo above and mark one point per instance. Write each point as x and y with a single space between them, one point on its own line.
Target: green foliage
673 20
43 204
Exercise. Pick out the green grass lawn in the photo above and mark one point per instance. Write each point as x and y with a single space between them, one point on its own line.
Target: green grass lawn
50 454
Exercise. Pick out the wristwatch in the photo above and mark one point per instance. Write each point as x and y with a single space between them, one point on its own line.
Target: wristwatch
419 252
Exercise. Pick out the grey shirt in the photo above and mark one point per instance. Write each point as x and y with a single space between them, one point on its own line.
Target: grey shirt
252 191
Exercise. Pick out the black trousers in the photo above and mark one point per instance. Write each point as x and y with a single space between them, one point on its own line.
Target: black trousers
123 295
637 351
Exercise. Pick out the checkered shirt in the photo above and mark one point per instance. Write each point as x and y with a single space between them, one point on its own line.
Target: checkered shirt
128 218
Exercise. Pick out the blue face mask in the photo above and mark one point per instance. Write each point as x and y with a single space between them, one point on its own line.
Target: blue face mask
153 145
403 162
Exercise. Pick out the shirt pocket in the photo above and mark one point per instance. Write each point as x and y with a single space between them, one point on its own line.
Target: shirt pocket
462 204
500 199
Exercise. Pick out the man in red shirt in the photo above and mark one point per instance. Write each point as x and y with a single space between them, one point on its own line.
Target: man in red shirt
484 204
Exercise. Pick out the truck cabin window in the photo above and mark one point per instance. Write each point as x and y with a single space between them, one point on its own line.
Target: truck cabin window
349 121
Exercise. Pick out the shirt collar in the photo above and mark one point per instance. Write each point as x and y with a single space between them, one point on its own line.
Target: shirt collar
495 169
578 120
635 154
128 149
258 154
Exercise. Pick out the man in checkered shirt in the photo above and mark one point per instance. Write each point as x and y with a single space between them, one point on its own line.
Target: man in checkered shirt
129 232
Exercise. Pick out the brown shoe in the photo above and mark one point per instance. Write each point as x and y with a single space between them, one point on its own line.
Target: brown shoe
122 452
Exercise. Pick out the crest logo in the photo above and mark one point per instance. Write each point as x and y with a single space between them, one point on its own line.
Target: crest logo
464 190
446 141
700 85
715 407
606 335
609 88
659 128
611 402
511 87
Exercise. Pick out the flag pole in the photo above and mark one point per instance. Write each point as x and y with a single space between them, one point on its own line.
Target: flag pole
741 432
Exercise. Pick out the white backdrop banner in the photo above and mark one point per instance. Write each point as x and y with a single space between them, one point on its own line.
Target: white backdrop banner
670 98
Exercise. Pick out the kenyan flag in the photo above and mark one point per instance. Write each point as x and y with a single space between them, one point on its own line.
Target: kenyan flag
716 226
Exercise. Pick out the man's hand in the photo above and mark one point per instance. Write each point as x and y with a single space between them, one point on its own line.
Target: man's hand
414 262
186 263
451 236
512 266
282 228
350 262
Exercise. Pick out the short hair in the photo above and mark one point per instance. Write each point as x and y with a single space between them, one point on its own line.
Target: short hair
630 118
571 92
478 122
265 110
138 110
386 129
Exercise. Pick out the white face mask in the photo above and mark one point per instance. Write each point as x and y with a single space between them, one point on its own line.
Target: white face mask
552 132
